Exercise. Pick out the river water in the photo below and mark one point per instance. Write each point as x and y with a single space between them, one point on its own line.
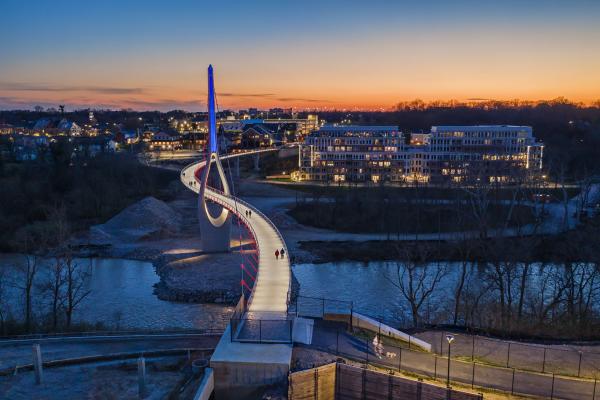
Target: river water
121 297
371 287
121 293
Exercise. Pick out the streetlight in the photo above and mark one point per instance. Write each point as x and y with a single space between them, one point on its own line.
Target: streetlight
450 339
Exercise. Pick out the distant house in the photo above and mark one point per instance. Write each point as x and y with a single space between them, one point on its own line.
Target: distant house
70 128
89 147
55 126
165 141
6 129
257 135
28 147
129 136
42 124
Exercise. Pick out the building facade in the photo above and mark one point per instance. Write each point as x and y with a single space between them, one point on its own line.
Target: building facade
447 154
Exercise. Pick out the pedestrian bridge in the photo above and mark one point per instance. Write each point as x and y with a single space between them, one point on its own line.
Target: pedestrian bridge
270 294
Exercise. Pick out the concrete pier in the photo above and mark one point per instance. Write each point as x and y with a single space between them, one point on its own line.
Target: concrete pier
244 370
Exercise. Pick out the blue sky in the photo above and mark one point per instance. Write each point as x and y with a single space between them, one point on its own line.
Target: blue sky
149 54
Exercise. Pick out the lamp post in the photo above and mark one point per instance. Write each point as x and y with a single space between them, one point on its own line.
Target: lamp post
450 339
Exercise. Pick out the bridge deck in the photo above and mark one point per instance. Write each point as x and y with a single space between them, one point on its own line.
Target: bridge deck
270 293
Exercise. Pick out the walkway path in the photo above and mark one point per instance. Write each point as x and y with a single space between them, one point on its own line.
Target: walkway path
335 339
14 353
269 297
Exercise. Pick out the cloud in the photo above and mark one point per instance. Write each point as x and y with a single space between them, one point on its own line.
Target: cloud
12 103
300 99
254 95
31 87
270 96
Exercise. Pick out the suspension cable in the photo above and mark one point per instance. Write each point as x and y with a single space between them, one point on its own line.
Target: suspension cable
233 195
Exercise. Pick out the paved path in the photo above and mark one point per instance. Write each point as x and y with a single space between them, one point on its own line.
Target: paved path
335 339
21 353
270 293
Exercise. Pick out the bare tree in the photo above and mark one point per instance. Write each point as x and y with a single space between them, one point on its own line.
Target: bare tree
76 286
25 280
561 180
417 279
3 300
479 198
54 286
465 249
582 288
56 278
548 295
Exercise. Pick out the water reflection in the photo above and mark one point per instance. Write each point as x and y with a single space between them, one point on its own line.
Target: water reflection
122 297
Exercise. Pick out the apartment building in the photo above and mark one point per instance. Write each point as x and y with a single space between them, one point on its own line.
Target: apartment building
447 154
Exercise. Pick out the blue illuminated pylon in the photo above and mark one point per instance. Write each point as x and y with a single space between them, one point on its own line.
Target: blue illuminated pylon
212 119
214 230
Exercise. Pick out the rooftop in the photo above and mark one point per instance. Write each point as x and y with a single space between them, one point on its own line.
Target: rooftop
479 127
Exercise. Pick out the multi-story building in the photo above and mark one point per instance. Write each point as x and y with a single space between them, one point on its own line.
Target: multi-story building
497 153
292 128
458 154
353 153
165 141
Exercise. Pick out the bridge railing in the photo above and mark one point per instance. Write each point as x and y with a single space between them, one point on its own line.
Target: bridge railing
279 235
249 225
196 165
108 333
252 330
319 307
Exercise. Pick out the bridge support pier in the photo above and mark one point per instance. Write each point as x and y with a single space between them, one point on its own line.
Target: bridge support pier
245 370
214 239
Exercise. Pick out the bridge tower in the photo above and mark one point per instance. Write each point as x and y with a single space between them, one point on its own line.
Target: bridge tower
215 231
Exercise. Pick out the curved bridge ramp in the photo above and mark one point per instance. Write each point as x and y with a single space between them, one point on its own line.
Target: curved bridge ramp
269 298
247 360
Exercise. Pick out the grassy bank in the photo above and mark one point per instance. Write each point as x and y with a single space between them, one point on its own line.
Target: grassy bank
574 245
366 214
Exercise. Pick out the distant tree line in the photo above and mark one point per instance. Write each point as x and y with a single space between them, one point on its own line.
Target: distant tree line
570 131
88 190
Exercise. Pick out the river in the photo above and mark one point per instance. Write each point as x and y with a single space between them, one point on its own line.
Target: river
121 293
121 297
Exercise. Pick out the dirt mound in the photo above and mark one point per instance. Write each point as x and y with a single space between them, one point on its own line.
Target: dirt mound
148 218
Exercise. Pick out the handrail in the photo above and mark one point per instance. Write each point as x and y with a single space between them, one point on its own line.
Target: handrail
131 332
215 195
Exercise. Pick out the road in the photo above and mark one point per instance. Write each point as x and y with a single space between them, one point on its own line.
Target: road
13 354
335 339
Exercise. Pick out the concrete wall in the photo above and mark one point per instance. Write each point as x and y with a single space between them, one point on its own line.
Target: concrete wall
287 152
364 322
214 240
316 383
207 386
246 380
341 381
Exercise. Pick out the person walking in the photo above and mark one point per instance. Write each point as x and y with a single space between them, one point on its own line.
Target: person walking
282 252
277 254
250 213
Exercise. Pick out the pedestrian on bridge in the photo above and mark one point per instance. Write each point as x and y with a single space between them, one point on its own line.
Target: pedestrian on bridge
282 252
277 254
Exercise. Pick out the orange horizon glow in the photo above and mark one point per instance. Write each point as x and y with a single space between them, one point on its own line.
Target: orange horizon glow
348 55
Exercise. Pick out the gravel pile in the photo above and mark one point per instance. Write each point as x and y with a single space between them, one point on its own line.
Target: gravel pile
149 218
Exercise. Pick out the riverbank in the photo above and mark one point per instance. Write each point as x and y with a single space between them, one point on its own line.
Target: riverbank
167 235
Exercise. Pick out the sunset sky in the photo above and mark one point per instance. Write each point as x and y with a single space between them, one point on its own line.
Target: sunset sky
344 54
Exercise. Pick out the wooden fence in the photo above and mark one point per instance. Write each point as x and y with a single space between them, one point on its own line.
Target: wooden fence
340 382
